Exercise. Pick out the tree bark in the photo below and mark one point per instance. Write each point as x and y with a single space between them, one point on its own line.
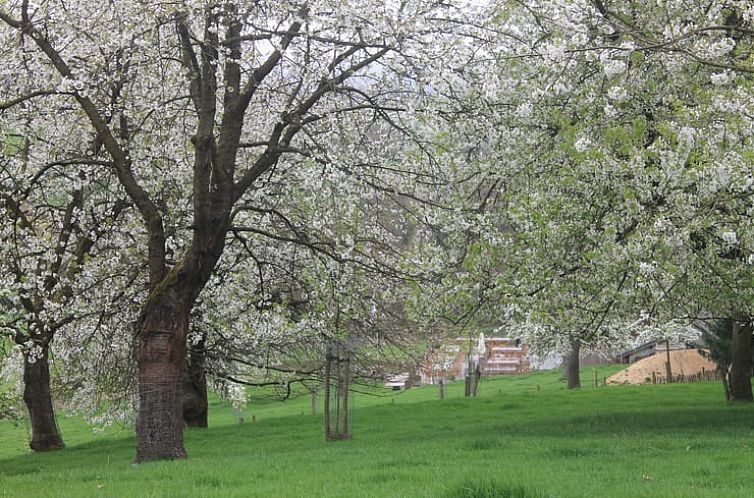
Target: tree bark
740 369
314 392
668 369
45 435
571 365
723 373
342 424
160 355
337 368
194 380
467 380
475 376
326 387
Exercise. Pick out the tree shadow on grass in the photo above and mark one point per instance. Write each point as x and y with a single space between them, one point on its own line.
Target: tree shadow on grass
112 449
459 422
277 435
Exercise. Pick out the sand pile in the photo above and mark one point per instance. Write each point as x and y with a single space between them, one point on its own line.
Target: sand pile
682 362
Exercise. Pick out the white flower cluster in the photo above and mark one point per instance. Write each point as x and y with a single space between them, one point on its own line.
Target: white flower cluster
613 64
722 78
11 385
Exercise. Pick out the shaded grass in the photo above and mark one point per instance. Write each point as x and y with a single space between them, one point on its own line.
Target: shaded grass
492 489
523 437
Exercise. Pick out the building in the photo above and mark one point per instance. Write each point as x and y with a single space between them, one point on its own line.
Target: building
493 356
505 356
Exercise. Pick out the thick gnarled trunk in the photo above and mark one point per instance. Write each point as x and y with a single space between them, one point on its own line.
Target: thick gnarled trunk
160 346
45 435
160 355
572 364
739 378
195 386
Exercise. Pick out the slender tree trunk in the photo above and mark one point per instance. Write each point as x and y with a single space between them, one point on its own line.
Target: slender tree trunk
45 435
474 377
344 383
740 369
337 368
467 379
668 369
194 380
571 365
326 387
160 355
723 373
314 391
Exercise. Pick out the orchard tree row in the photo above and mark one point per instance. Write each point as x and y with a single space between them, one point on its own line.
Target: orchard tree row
222 191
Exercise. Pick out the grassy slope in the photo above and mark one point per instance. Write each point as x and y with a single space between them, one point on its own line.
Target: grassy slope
515 439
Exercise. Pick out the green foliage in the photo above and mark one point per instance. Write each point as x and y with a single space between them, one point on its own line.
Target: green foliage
10 395
13 144
718 340
9 409
719 343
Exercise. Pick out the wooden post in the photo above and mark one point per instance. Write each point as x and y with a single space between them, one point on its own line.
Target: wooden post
442 388
596 378
667 363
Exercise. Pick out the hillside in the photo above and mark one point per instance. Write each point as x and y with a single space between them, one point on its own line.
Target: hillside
524 436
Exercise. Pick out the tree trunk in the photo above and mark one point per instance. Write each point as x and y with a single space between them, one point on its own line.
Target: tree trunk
342 424
467 379
45 435
160 355
413 379
475 376
315 392
723 373
571 365
740 369
326 387
337 367
668 369
195 386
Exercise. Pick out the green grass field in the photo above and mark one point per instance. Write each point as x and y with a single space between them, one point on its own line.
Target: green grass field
523 437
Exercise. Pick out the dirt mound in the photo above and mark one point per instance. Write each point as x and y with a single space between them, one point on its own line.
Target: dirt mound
683 362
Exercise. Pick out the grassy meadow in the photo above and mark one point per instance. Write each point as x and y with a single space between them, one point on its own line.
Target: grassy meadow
522 437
